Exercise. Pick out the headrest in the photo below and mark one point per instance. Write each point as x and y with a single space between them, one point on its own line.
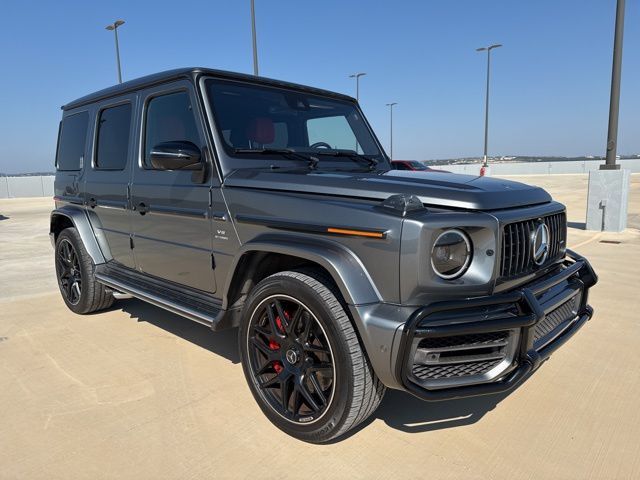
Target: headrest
261 130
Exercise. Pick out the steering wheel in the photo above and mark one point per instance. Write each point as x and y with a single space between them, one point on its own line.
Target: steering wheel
321 145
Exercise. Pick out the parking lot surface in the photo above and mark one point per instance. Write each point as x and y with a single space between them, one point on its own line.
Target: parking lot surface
137 392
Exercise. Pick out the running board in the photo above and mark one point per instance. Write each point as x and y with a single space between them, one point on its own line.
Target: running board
192 304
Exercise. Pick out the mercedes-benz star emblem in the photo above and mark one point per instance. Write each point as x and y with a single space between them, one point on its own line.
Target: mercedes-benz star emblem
292 356
540 243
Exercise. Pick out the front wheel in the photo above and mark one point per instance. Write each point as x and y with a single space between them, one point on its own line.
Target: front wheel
302 358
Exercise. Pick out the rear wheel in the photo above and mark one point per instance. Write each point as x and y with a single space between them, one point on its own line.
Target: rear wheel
75 273
302 358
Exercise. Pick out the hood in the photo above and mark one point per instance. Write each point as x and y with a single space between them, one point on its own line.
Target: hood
433 188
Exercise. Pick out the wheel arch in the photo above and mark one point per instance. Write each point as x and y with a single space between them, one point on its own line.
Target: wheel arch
68 216
265 256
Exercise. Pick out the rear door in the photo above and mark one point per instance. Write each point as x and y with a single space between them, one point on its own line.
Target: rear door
108 174
171 226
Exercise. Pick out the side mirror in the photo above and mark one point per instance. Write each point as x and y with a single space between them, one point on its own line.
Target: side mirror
175 156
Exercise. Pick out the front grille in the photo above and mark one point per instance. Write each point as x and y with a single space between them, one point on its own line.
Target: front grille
440 360
517 248
555 322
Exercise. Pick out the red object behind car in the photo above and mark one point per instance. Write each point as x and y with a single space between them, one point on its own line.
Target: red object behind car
412 165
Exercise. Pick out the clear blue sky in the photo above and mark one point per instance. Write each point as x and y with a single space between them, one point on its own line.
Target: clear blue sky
550 88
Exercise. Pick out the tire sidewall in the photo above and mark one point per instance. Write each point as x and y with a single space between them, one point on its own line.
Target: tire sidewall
333 418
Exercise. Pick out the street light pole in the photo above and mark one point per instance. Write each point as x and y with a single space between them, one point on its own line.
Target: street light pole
253 35
486 106
614 102
357 77
390 105
114 26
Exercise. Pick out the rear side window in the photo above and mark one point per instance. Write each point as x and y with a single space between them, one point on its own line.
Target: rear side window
71 141
169 119
114 126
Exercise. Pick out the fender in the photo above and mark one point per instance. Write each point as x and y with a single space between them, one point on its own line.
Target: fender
78 217
346 269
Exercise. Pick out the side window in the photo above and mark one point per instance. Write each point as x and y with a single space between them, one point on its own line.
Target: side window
71 141
114 127
169 118
334 131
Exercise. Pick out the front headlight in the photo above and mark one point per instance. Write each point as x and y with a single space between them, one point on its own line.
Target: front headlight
451 254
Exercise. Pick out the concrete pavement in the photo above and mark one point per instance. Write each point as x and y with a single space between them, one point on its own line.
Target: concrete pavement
137 392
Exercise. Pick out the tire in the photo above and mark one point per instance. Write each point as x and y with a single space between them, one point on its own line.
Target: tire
74 266
280 358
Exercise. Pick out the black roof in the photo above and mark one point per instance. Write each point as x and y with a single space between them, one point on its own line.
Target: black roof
192 73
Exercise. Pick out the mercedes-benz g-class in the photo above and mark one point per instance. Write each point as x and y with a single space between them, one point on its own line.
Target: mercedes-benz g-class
240 201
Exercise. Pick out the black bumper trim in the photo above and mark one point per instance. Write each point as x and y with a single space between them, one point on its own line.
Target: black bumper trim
576 269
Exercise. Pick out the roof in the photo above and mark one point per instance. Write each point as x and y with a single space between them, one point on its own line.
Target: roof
192 73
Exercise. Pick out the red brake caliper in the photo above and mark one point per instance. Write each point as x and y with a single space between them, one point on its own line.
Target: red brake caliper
277 366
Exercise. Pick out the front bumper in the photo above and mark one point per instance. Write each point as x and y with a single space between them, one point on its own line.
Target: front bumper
486 345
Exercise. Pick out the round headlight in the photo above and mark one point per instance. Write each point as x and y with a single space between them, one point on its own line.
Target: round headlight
451 254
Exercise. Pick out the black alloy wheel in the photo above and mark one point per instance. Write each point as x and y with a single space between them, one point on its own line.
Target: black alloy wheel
291 359
69 272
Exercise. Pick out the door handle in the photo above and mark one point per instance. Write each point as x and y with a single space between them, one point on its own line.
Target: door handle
93 202
142 208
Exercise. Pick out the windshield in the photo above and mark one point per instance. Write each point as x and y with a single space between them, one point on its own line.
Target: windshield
263 124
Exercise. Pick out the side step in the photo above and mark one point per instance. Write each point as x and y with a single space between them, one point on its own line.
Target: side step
192 304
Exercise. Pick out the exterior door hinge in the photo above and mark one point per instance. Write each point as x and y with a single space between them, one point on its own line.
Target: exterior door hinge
213 262
131 242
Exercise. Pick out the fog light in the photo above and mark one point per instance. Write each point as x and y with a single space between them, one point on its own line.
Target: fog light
451 254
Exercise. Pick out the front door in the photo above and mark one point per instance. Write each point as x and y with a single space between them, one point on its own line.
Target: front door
172 234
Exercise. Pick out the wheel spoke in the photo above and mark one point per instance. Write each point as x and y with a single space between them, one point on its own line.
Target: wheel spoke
272 321
320 367
285 391
263 348
307 327
272 382
310 347
317 387
282 316
293 324
308 397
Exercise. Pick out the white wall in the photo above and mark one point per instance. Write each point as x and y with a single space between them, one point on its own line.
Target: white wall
19 187
539 168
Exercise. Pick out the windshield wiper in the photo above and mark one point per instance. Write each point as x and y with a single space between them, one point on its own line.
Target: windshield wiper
372 163
312 161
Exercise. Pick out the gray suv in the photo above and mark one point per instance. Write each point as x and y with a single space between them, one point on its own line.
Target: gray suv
239 201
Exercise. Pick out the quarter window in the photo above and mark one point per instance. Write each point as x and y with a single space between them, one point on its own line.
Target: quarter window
71 142
169 119
114 127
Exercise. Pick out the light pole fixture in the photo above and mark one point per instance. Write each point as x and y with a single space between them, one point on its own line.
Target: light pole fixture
390 105
486 106
253 36
614 101
114 26
357 77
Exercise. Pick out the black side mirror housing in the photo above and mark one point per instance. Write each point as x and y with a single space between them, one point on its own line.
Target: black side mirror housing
175 156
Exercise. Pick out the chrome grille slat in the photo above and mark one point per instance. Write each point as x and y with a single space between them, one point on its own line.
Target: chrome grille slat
517 256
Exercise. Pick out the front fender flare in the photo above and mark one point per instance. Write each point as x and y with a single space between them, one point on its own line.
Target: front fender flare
346 269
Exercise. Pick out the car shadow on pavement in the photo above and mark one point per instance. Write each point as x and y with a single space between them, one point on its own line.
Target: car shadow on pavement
403 411
222 343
